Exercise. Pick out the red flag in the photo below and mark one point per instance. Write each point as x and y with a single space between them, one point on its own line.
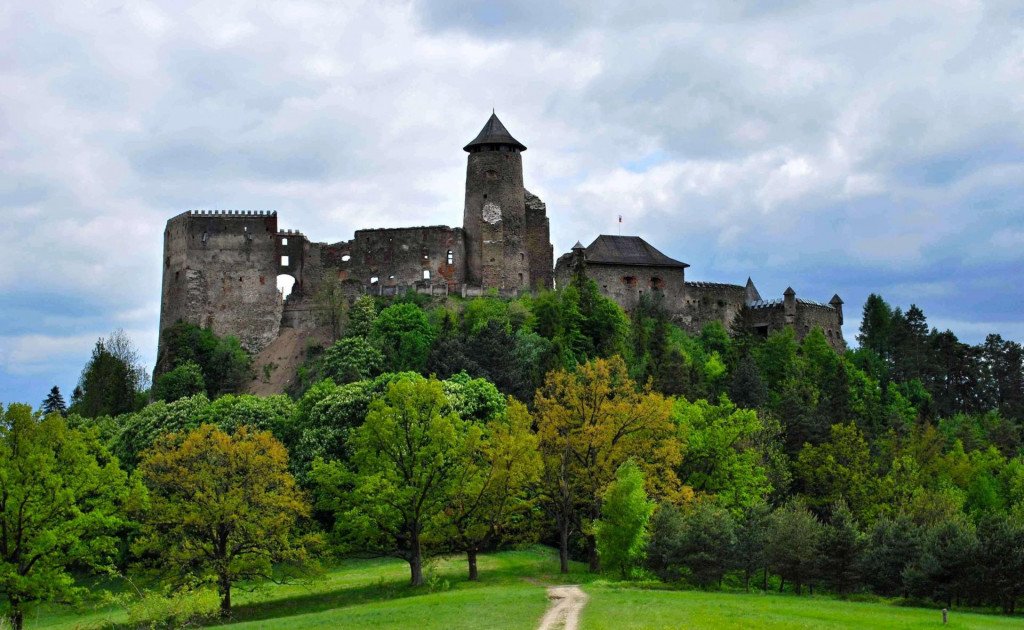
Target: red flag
620 218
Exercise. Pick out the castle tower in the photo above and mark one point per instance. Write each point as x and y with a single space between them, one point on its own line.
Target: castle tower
494 219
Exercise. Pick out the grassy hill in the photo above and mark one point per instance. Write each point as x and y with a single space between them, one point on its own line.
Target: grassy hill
511 594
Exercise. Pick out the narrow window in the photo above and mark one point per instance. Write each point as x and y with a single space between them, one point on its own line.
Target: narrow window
451 257
522 256
373 279
284 261
426 274
520 279
284 241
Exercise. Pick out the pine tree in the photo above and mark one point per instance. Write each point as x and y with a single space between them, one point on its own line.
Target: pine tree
55 402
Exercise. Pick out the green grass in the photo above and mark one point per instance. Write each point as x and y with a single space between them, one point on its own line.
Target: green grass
511 594
375 593
611 607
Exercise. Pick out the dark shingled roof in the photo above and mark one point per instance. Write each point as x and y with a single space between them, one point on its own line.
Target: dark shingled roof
494 133
627 250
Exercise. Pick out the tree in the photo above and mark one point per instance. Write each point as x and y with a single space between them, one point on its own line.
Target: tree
625 513
1002 554
843 548
184 380
224 364
840 469
331 304
405 337
893 544
589 423
61 496
720 454
708 542
664 542
748 389
794 545
943 569
107 383
490 497
54 402
876 326
361 317
352 359
752 543
222 509
406 457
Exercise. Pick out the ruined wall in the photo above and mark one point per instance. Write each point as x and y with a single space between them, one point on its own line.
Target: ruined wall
220 272
494 220
399 257
709 301
539 250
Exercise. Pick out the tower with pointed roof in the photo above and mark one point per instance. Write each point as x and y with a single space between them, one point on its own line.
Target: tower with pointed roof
494 218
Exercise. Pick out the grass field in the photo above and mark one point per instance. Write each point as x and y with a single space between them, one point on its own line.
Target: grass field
617 608
511 594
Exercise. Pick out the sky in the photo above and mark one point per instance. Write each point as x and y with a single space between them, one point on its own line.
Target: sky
833 147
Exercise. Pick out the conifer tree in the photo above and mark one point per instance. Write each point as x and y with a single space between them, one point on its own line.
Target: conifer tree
55 402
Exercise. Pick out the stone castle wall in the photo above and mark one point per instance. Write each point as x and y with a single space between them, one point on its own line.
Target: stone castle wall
220 272
494 220
539 250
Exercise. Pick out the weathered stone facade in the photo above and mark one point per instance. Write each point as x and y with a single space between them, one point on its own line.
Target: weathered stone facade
221 267
627 267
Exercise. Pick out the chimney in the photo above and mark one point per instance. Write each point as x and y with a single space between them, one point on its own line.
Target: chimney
789 305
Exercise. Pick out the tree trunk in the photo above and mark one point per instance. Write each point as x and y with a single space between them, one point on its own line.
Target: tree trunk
416 560
18 619
782 584
563 547
799 588
224 588
471 556
764 580
592 559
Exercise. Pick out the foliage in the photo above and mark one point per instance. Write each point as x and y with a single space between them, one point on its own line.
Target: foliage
331 304
794 544
625 512
707 542
222 508
719 458
405 337
184 380
54 402
352 359
61 499
224 364
406 457
589 423
108 385
491 498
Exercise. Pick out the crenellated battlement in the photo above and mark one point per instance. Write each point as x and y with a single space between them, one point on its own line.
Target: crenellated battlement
232 213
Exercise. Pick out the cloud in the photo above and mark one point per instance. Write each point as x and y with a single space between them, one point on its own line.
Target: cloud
851 148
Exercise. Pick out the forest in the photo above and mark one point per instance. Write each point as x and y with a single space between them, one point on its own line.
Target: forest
724 460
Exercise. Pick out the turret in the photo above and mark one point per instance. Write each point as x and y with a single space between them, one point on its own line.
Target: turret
837 303
494 219
789 305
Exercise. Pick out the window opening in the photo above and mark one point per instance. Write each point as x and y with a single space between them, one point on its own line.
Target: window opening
284 241
284 261
426 274
285 284
346 258
374 279
451 257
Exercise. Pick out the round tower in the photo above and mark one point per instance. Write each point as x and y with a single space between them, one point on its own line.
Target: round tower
495 214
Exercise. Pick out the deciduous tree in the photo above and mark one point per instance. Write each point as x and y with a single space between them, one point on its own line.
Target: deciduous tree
61 496
625 512
222 508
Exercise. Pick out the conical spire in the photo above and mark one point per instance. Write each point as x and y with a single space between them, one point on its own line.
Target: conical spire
752 293
494 133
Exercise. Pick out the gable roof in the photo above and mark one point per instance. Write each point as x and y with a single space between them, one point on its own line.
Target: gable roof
494 133
627 250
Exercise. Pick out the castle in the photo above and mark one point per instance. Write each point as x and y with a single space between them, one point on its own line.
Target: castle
221 268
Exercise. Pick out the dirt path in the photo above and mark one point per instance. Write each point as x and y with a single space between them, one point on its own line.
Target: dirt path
566 604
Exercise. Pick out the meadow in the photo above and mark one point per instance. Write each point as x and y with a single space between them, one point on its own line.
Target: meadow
511 593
